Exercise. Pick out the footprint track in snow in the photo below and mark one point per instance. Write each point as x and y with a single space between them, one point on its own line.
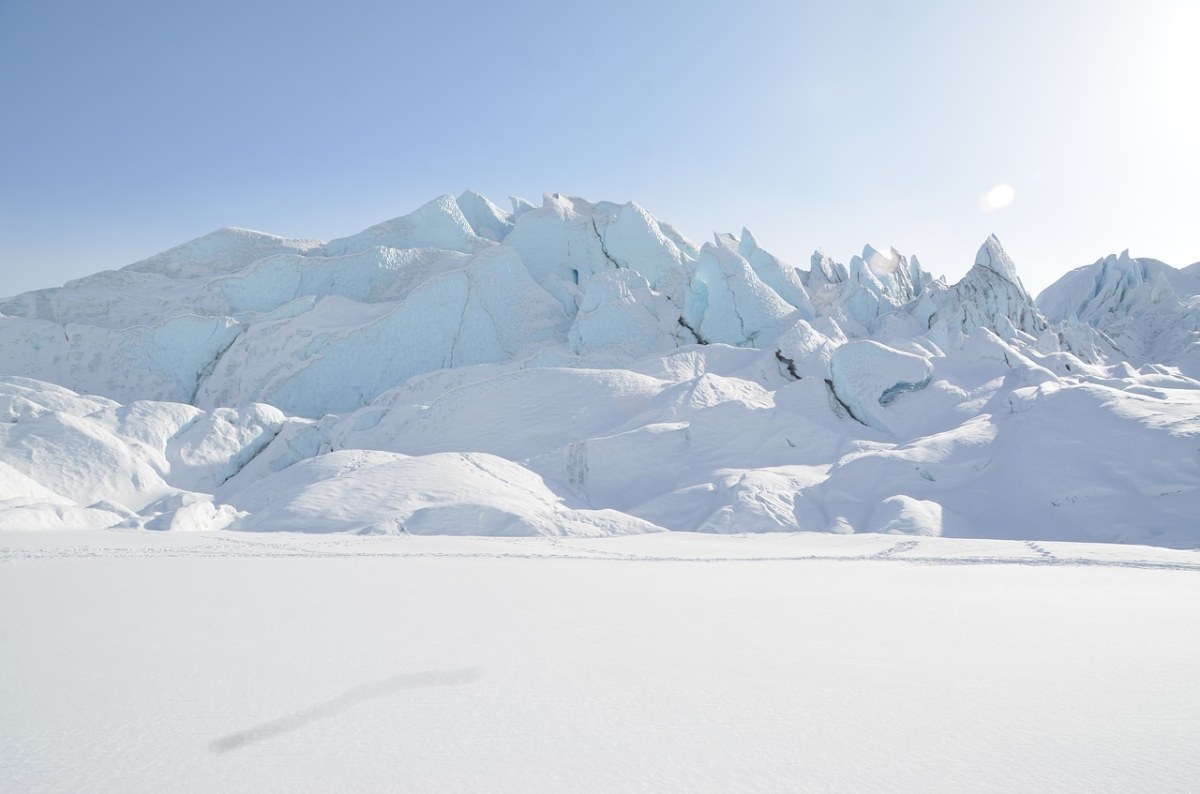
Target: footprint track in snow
899 548
556 549
1040 550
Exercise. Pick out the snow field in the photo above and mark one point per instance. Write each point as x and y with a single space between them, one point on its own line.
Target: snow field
284 662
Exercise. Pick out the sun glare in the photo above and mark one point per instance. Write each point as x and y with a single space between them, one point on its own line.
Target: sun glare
997 198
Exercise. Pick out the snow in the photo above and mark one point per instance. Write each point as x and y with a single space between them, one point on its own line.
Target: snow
225 250
485 218
315 362
728 302
903 515
1139 310
166 361
438 494
438 224
556 499
866 376
582 368
990 296
621 314
221 661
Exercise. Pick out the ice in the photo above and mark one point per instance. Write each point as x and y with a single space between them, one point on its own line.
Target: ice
485 218
555 500
582 368
225 250
341 353
162 362
438 224
374 275
866 377
620 314
727 302
560 244
634 240
990 296
779 276
1137 310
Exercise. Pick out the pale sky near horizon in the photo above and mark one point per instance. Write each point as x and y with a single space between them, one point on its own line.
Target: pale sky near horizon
131 126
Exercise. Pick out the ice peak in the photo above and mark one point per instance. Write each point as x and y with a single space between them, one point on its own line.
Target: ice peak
991 296
520 205
485 218
881 264
993 257
725 240
436 224
824 270
748 245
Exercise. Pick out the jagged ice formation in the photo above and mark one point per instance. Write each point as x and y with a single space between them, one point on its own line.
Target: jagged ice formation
582 368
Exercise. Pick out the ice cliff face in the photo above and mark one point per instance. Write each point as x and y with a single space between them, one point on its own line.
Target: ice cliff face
990 296
239 316
1137 310
583 368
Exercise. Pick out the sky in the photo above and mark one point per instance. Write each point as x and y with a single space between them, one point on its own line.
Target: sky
1069 129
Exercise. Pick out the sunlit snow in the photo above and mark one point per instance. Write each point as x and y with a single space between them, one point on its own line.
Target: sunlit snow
558 500
581 368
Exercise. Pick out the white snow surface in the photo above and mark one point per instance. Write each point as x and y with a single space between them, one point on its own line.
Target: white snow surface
233 662
582 369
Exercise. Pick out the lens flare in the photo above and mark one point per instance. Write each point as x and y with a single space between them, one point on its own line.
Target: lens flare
997 198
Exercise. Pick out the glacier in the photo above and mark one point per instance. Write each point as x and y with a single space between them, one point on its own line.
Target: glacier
583 369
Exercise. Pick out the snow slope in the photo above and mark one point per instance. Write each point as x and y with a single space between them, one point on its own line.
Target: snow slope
581 368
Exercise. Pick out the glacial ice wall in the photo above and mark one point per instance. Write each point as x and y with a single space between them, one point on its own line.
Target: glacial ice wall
583 368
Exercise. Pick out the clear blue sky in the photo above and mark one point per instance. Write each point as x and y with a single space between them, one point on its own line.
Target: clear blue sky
130 126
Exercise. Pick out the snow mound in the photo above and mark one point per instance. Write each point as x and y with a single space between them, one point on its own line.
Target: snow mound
903 515
68 458
866 377
439 494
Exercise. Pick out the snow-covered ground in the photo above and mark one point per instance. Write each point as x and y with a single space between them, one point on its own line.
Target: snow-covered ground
508 501
133 661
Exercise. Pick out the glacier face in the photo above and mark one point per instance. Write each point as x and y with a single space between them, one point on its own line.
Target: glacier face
582 368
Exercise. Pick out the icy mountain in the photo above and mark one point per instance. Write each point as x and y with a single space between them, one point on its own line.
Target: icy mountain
1146 312
582 368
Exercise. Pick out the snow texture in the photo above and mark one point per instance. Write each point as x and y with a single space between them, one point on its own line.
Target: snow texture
234 662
